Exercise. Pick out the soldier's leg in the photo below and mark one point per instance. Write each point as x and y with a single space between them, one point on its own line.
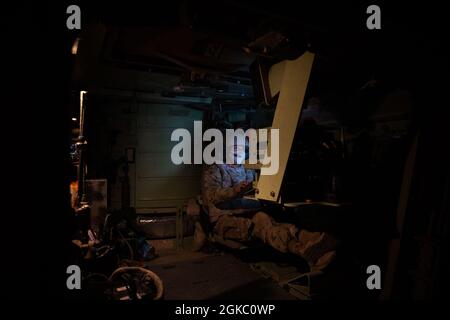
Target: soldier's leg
277 235
318 248
231 227
314 247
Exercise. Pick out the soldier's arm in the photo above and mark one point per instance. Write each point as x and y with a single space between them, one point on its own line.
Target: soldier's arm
212 184
250 175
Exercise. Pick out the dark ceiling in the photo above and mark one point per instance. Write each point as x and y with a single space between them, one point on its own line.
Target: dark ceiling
197 31
209 42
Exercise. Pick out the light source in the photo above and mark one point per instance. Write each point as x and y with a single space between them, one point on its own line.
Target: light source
75 46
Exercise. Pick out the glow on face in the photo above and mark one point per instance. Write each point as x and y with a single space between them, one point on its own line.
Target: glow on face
237 153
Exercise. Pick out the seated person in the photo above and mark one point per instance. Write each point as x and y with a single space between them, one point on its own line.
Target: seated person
236 218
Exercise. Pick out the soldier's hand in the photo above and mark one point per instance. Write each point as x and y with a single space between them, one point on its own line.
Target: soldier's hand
241 186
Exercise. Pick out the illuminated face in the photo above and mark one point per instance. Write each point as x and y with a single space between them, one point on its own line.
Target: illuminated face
237 153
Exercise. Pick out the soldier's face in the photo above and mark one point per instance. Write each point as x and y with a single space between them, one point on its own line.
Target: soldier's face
238 154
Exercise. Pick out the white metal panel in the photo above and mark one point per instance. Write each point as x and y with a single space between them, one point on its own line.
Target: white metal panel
294 75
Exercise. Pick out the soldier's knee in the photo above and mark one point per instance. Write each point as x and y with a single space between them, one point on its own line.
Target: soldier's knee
261 219
261 223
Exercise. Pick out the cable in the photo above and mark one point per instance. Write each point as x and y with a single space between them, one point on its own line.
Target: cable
128 245
105 227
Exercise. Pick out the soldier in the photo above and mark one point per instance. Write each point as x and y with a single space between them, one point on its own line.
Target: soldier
237 218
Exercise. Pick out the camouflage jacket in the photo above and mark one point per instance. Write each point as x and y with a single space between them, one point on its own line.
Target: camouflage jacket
217 187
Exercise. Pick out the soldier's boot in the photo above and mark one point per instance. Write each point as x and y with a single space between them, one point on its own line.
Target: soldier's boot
261 223
277 235
324 261
315 247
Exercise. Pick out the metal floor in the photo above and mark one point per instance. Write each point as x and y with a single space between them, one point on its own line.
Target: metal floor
255 273
196 276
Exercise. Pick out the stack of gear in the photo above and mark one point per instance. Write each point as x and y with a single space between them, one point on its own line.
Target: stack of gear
120 242
121 230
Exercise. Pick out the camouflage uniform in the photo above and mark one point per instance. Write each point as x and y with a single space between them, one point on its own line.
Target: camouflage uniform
219 196
227 212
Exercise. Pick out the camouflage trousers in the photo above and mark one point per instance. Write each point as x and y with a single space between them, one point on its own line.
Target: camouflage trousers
316 247
261 226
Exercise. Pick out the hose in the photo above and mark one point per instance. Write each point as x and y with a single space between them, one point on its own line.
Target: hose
156 280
